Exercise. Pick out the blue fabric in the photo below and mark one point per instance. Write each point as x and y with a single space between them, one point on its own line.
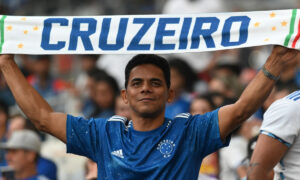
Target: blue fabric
88 107
173 151
47 168
259 114
6 96
47 91
106 113
181 105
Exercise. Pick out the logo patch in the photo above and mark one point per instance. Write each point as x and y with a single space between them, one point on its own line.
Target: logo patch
166 147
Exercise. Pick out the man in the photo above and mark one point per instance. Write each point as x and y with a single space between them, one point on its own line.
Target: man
150 147
44 166
22 154
278 144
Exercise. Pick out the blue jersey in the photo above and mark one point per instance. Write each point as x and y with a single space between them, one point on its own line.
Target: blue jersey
172 151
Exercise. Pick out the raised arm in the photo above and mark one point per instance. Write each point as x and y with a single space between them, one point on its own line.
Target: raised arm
31 103
232 116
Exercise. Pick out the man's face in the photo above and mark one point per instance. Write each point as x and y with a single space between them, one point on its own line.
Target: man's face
19 159
147 91
104 96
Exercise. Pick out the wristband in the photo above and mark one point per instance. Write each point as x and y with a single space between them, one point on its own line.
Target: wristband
269 75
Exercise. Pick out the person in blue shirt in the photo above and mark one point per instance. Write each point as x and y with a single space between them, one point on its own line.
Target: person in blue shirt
23 149
149 146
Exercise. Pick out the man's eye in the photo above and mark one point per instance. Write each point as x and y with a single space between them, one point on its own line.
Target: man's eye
156 83
135 83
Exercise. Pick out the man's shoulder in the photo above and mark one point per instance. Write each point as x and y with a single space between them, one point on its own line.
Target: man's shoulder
117 118
182 116
118 121
42 177
288 104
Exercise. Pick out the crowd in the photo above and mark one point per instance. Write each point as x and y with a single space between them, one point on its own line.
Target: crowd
89 86
95 93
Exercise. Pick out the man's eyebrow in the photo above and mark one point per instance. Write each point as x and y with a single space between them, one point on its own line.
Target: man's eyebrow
156 79
136 79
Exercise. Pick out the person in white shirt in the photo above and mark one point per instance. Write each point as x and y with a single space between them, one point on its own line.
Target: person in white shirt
279 142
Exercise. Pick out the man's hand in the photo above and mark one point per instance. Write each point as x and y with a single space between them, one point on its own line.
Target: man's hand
280 58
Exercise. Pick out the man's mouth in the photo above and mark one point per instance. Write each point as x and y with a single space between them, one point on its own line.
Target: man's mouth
146 99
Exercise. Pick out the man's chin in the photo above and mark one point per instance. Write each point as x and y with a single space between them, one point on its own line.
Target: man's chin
149 114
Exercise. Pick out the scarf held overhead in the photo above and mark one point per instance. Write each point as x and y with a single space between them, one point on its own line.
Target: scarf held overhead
132 34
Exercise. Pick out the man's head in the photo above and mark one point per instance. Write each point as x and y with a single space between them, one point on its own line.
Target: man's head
88 61
106 91
22 150
41 65
147 83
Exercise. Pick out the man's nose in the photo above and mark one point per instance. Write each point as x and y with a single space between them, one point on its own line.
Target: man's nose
146 87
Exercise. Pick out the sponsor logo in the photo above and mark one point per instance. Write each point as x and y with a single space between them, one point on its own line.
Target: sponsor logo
118 153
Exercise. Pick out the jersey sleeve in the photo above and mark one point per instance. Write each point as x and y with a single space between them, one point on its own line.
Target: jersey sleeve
83 136
281 121
205 129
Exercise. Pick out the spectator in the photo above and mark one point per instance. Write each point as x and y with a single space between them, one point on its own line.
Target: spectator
88 62
183 78
89 105
210 164
45 166
176 145
22 154
42 80
106 91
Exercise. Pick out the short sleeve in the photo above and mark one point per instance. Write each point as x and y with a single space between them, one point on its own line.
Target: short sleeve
83 136
205 128
281 120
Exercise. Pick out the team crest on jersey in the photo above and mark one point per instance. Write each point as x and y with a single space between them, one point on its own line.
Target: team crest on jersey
166 147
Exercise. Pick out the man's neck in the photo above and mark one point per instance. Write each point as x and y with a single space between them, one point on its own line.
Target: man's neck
27 172
147 124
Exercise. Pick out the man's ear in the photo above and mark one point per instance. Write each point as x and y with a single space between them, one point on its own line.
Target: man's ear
171 95
124 96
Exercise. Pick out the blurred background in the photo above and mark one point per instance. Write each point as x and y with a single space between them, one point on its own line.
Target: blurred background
89 85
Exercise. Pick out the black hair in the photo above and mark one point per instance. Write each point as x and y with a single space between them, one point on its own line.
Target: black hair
4 108
155 60
109 80
186 71
40 57
95 73
208 97
94 57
